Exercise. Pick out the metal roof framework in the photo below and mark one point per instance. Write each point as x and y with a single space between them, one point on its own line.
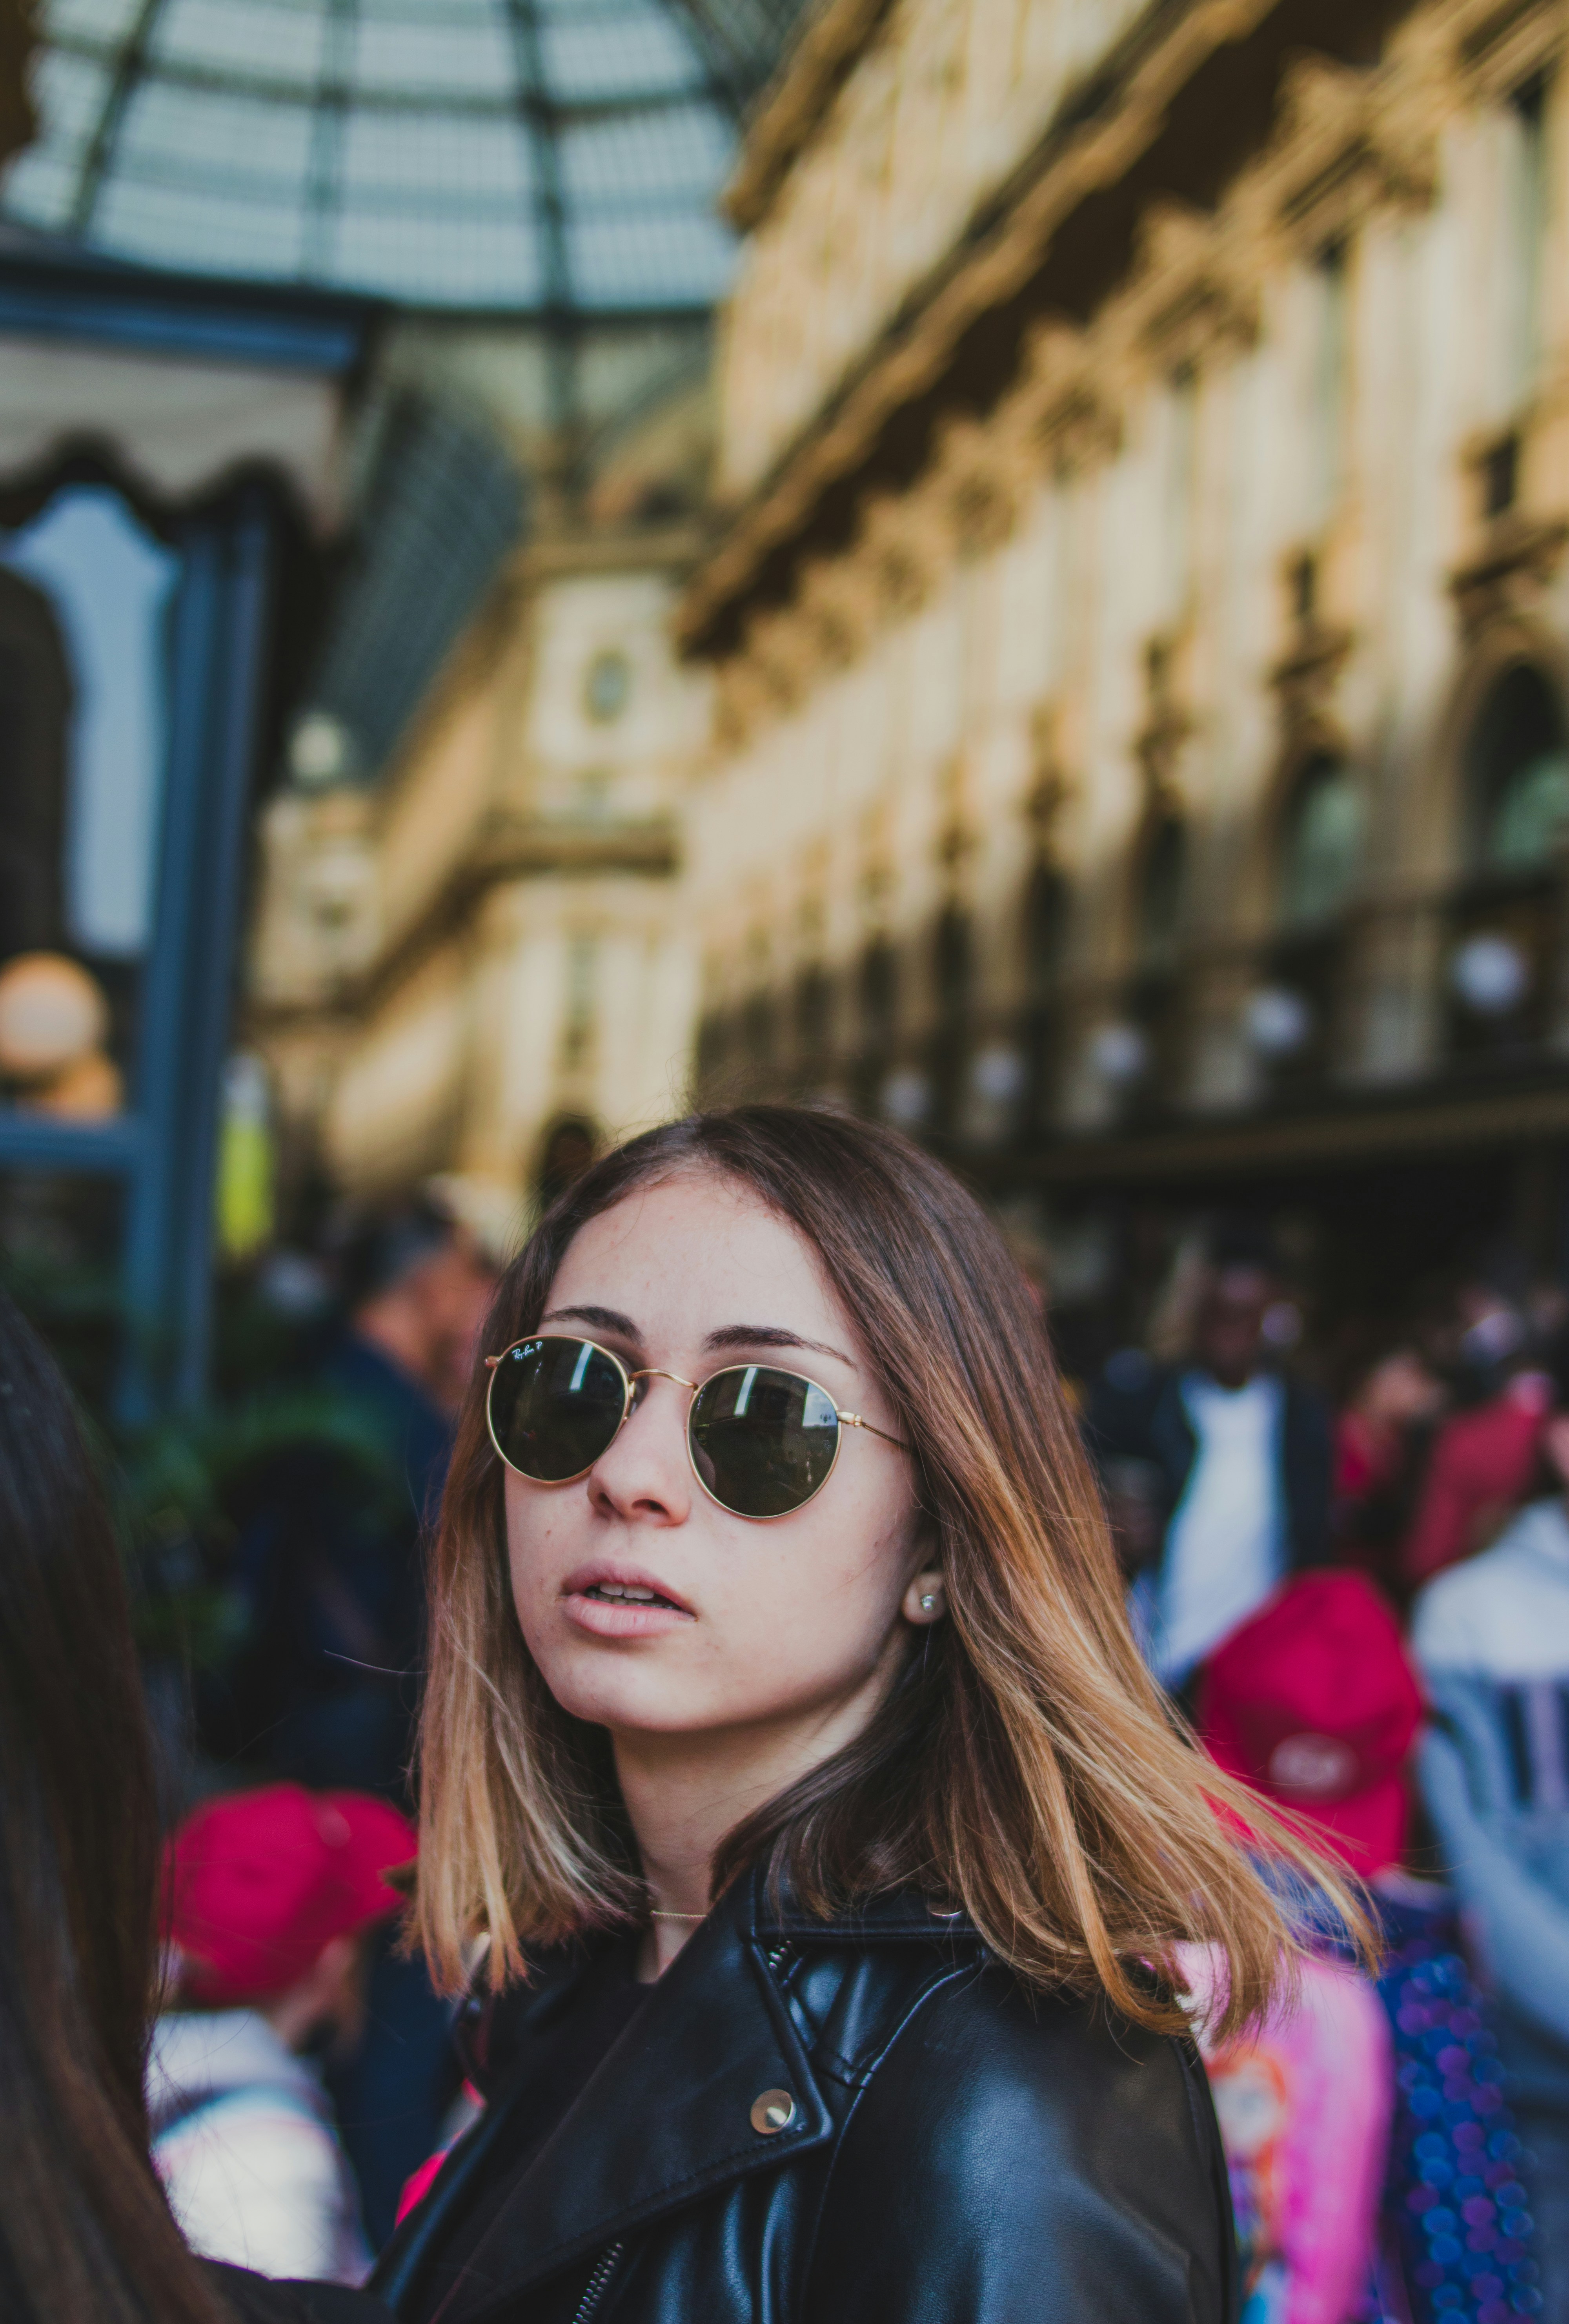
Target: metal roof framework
556 157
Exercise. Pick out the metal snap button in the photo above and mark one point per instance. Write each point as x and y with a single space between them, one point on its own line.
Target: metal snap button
775 2110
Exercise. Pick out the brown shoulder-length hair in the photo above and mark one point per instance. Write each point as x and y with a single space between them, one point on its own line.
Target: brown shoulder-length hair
1023 1765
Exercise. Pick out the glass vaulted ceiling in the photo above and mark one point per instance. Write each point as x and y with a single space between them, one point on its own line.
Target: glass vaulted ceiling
552 155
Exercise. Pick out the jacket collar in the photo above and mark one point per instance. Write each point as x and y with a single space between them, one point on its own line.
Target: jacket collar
667 2116
664 2118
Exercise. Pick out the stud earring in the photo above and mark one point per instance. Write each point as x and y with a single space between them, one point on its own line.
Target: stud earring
927 1602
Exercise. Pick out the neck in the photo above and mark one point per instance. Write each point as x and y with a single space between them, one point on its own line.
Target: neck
684 1794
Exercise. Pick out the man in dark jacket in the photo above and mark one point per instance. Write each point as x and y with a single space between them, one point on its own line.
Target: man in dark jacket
1217 1468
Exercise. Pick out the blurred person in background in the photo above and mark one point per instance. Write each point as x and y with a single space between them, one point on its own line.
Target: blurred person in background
268 1896
334 1575
1219 1462
1315 1704
1491 1637
1382 1435
85 2233
1485 1453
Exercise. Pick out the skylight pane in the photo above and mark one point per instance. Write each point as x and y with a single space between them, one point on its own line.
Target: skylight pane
277 41
89 19
212 235
194 132
591 55
641 260
680 150
459 51
492 262
40 187
409 155
70 92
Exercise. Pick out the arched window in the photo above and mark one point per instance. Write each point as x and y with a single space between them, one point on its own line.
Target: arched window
951 965
1321 844
1517 770
1519 775
1045 928
758 1028
879 983
1163 875
813 1009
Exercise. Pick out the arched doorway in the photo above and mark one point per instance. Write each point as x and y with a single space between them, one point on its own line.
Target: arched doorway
1292 1015
1505 921
952 981
1154 996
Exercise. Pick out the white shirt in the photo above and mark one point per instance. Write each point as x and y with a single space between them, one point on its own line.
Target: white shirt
1504 1615
244 2143
1224 1544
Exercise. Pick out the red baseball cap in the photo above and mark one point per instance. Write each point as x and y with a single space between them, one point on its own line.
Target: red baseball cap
256 1883
1313 1702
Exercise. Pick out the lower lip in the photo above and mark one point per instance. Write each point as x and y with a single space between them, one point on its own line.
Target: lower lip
622 1618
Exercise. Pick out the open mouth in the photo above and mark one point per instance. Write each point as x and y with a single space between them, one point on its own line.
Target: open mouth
625 1593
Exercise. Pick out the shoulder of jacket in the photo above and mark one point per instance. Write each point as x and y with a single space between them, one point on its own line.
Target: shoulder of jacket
982 2068
980 2025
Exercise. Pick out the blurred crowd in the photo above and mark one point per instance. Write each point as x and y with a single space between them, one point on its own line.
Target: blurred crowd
1361 1603
1358 1599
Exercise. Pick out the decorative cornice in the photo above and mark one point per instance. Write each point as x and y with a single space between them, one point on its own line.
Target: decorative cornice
1342 142
791 107
1077 157
1518 561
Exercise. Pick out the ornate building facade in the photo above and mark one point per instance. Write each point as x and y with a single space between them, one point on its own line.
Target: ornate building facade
1111 717
1139 619
485 957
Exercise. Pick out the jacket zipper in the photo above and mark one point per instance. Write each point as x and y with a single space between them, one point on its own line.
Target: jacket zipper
599 2282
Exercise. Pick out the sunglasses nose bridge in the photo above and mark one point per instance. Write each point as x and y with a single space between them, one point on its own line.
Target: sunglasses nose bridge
655 1372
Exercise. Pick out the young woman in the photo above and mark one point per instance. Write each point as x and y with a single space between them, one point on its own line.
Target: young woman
86 2236
787 1755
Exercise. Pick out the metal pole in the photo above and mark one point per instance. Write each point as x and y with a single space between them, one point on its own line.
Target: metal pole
166 979
240 643
214 688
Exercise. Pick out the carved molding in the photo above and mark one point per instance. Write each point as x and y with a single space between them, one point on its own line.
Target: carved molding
1509 574
1344 143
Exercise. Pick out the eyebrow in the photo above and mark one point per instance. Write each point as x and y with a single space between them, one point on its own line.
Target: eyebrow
772 1335
600 1319
732 1335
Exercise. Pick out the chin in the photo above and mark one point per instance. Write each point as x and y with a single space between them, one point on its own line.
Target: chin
617 1688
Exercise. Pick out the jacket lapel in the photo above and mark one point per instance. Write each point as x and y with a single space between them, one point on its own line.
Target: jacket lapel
664 2118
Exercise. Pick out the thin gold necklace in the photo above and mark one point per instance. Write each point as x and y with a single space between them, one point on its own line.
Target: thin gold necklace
656 1914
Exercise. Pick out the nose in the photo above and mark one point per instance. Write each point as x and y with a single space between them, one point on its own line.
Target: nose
645 1476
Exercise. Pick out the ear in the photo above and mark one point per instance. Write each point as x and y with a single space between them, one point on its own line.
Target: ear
926 1599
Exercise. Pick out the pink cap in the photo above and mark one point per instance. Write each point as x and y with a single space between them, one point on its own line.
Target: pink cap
256 1885
1313 1702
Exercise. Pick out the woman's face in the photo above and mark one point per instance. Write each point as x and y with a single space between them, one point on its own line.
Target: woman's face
792 1621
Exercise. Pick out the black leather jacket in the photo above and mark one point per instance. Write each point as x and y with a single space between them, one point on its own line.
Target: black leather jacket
953 2150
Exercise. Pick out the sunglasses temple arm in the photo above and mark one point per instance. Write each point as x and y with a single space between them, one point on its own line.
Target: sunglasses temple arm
854 1420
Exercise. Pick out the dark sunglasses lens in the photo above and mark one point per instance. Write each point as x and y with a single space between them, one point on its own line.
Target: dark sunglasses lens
763 1441
555 1405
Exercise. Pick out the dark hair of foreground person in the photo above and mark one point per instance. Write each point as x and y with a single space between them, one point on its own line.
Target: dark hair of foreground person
920 2051
85 2234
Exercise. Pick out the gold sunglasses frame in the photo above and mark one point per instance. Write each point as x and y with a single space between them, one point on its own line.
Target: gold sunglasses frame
655 1372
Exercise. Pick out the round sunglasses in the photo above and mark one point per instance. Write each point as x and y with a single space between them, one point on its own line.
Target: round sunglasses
762 1442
